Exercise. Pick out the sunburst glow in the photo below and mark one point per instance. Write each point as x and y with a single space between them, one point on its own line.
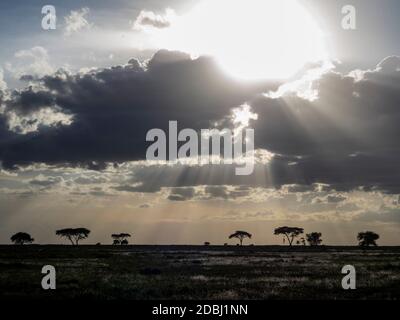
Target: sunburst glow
251 39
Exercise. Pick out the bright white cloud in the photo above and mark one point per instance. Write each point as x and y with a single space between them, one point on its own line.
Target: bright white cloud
303 87
149 19
76 21
33 61
48 117
3 84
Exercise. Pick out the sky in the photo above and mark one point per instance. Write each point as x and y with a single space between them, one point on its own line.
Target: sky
77 101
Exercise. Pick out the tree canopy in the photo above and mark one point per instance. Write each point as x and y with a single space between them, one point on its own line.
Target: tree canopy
290 232
241 235
73 234
22 238
120 238
314 238
367 238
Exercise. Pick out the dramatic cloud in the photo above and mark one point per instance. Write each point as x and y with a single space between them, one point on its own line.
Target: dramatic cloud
344 139
113 109
347 136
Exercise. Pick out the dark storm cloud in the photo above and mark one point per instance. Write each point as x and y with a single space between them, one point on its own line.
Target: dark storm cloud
5 134
349 116
114 108
27 100
347 138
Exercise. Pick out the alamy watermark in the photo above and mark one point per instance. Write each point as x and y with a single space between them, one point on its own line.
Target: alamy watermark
349 280
349 21
49 280
49 20
208 146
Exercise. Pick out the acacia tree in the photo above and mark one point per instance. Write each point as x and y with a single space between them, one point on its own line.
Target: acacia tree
73 234
314 238
22 238
241 235
290 232
120 238
115 238
367 238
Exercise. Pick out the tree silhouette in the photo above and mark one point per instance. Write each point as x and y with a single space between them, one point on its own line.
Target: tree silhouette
241 235
367 238
22 238
73 234
120 238
290 232
314 238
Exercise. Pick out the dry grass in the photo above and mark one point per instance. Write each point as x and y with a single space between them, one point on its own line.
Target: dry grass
156 272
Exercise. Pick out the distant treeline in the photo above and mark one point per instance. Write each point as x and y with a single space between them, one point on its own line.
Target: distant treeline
291 235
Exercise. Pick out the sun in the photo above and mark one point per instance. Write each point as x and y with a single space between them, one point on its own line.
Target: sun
250 39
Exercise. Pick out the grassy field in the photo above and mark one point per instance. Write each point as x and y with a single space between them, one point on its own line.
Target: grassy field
195 272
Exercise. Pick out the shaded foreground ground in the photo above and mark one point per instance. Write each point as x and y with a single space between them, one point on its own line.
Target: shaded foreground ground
190 272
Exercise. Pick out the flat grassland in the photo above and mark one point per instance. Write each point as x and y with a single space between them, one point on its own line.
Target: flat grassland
198 272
